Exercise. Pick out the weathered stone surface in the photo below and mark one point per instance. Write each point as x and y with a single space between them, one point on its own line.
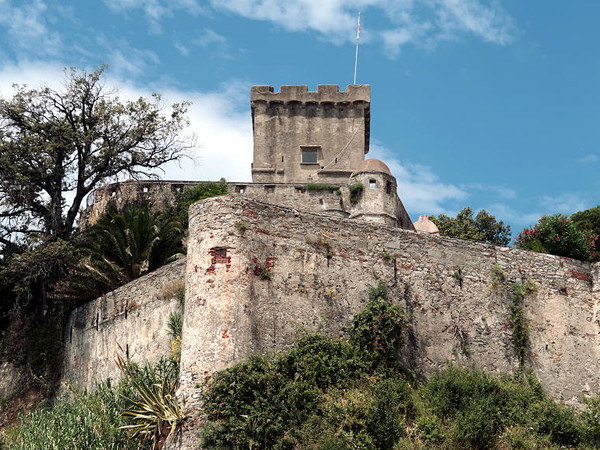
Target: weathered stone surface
130 321
257 289
336 125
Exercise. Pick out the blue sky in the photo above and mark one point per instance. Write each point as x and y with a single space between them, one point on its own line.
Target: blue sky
491 104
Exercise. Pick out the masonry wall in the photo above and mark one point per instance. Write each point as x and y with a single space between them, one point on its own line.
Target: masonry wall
130 321
283 122
256 287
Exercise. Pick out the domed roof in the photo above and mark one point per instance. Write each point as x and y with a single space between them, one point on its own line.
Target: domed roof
372 165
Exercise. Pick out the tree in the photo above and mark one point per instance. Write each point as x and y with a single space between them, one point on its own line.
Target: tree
56 146
558 235
123 246
484 227
589 221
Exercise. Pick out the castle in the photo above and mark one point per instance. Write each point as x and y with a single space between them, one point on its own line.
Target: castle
277 258
309 153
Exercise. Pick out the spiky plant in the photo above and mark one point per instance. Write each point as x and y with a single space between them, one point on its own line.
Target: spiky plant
153 411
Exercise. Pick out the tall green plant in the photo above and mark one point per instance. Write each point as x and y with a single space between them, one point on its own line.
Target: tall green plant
126 244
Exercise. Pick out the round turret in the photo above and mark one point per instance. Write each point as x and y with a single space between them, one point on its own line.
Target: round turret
373 195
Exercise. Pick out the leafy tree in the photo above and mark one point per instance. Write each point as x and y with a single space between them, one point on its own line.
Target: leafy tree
483 227
558 235
589 221
54 142
193 194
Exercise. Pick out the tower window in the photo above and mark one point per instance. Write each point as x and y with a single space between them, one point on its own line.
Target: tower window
372 184
388 187
309 154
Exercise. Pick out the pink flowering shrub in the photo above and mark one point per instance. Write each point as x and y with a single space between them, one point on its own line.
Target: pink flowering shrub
558 235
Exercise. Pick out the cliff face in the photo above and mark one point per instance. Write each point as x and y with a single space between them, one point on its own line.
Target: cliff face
258 275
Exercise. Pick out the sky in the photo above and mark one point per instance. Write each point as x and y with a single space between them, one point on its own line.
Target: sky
491 104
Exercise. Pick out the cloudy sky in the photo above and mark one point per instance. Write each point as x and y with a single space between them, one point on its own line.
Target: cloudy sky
492 104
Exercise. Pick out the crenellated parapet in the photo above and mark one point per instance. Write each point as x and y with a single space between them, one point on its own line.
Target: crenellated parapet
325 93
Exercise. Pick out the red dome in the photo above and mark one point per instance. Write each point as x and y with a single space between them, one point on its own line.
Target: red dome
372 165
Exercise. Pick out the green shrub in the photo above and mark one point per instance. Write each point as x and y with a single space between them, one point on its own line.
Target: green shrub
251 405
356 191
193 194
558 235
321 362
83 421
378 329
557 421
318 187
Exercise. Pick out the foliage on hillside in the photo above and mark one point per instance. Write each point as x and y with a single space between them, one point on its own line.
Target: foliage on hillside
93 421
483 227
341 394
328 394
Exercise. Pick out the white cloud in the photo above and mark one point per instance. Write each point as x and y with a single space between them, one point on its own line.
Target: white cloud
209 37
422 23
27 27
420 190
563 203
588 159
501 191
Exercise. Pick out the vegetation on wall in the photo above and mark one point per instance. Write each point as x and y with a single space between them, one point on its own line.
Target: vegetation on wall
356 191
319 187
124 245
327 394
483 227
193 194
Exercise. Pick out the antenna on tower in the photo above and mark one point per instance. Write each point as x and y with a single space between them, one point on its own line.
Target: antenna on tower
357 42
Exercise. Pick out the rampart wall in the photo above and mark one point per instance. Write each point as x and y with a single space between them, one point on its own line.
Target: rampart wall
130 321
161 194
259 275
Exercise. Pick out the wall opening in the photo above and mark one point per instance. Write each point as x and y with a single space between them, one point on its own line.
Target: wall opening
372 184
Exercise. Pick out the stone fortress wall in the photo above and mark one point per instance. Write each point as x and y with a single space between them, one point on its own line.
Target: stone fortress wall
275 259
130 321
258 275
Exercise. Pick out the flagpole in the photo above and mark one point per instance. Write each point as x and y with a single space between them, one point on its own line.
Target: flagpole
357 41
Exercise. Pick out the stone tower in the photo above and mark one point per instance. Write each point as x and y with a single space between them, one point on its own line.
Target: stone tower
303 137
377 200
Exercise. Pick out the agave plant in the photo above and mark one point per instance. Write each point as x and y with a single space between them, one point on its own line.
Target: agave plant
154 412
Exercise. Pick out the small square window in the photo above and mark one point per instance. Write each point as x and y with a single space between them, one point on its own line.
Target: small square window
309 155
372 184
145 189
240 189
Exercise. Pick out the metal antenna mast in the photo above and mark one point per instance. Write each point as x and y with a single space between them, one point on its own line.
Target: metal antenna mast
357 41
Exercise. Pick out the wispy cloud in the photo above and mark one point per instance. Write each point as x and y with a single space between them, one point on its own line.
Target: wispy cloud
422 23
567 203
156 10
419 188
588 159
27 27
501 191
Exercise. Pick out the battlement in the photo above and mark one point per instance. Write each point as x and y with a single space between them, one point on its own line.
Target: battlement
325 93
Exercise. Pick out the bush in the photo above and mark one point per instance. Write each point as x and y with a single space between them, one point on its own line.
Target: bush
558 235
378 329
193 194
84 421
